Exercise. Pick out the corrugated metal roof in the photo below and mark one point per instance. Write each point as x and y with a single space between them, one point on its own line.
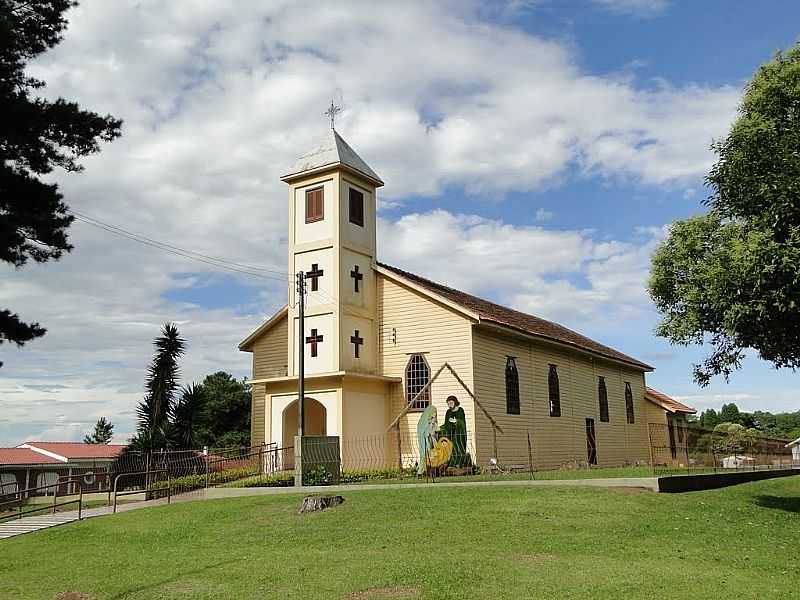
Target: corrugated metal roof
496 313
331 151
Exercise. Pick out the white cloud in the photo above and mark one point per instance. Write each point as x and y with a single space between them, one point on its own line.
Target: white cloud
217 102
561 275
642 8
544 215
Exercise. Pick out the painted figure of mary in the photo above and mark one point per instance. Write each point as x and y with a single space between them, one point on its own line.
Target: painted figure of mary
427 430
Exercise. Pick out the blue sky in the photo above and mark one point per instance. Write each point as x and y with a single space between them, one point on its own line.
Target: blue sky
534 153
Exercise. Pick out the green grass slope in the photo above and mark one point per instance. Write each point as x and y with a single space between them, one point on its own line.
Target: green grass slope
738 542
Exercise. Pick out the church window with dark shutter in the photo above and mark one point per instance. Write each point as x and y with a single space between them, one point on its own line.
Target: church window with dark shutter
315 205
602 395
629 403
356 207
554 392
512 387
417 376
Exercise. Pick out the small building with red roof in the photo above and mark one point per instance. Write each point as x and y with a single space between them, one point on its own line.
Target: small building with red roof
668 427
36 464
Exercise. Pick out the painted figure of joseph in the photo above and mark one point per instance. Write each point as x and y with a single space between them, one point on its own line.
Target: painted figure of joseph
455 428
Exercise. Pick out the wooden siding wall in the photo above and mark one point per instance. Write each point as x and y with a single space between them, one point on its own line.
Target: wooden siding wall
270 355
556 441
257 414
421 325
655 414
271 352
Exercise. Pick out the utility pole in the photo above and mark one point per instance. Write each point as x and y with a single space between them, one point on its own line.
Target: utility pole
301 371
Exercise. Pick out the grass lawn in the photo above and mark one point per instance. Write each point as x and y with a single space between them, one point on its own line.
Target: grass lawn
594 473
487 543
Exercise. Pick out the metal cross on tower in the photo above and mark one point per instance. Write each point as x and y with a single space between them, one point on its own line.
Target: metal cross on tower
332 111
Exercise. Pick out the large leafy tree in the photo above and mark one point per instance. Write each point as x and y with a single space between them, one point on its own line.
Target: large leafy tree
102 434
214 413
730 279
156 410
36 136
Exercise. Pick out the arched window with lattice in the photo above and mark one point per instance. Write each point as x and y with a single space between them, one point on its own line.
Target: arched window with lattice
418 374
512 386
602 396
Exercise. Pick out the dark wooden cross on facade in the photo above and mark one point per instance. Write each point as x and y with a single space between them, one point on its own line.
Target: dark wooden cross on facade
314 339
356 276
314 274
357 342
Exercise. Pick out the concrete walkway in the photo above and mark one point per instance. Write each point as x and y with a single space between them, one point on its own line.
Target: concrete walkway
45 521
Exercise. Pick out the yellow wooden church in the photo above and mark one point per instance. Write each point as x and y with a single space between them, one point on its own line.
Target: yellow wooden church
381 344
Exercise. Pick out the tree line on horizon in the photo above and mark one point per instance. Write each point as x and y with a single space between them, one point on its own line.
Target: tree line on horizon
776 425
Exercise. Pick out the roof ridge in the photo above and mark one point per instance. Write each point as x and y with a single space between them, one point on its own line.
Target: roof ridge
458 297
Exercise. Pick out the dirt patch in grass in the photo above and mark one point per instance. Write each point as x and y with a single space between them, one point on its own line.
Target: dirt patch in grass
536 558
631 491
385 592
72 596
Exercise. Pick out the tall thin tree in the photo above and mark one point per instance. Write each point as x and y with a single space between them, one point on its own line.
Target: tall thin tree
157 408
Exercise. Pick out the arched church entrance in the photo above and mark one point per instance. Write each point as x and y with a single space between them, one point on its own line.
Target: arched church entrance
315 418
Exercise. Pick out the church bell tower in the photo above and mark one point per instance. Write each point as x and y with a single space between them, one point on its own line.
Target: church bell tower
332 239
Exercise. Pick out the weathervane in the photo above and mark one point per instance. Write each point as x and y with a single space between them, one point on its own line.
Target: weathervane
332 111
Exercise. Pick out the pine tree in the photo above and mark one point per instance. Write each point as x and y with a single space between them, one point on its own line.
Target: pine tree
36 136
103 432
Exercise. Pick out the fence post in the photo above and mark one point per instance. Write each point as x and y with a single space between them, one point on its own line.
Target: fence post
205 460
686 441
530 455
650 444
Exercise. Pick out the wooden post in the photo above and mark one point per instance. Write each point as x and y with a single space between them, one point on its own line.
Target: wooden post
399 450
650 445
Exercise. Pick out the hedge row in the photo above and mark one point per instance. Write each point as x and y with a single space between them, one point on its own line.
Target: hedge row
199 481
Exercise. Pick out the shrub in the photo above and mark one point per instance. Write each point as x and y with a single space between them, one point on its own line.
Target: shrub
285 479
198 481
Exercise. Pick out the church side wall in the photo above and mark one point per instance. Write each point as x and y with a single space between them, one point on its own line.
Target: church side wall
270 352
269 360
556 441
257 414
412 323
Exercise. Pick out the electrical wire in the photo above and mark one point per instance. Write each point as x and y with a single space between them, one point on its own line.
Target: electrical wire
219 263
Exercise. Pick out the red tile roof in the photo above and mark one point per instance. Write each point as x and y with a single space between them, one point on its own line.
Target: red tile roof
24 456
667 403
501 315
78 450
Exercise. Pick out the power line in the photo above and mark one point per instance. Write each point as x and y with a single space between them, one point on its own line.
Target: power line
219 263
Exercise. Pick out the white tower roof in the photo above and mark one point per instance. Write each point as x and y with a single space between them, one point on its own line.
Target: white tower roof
331 151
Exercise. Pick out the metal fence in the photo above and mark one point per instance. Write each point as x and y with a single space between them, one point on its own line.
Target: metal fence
682 448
